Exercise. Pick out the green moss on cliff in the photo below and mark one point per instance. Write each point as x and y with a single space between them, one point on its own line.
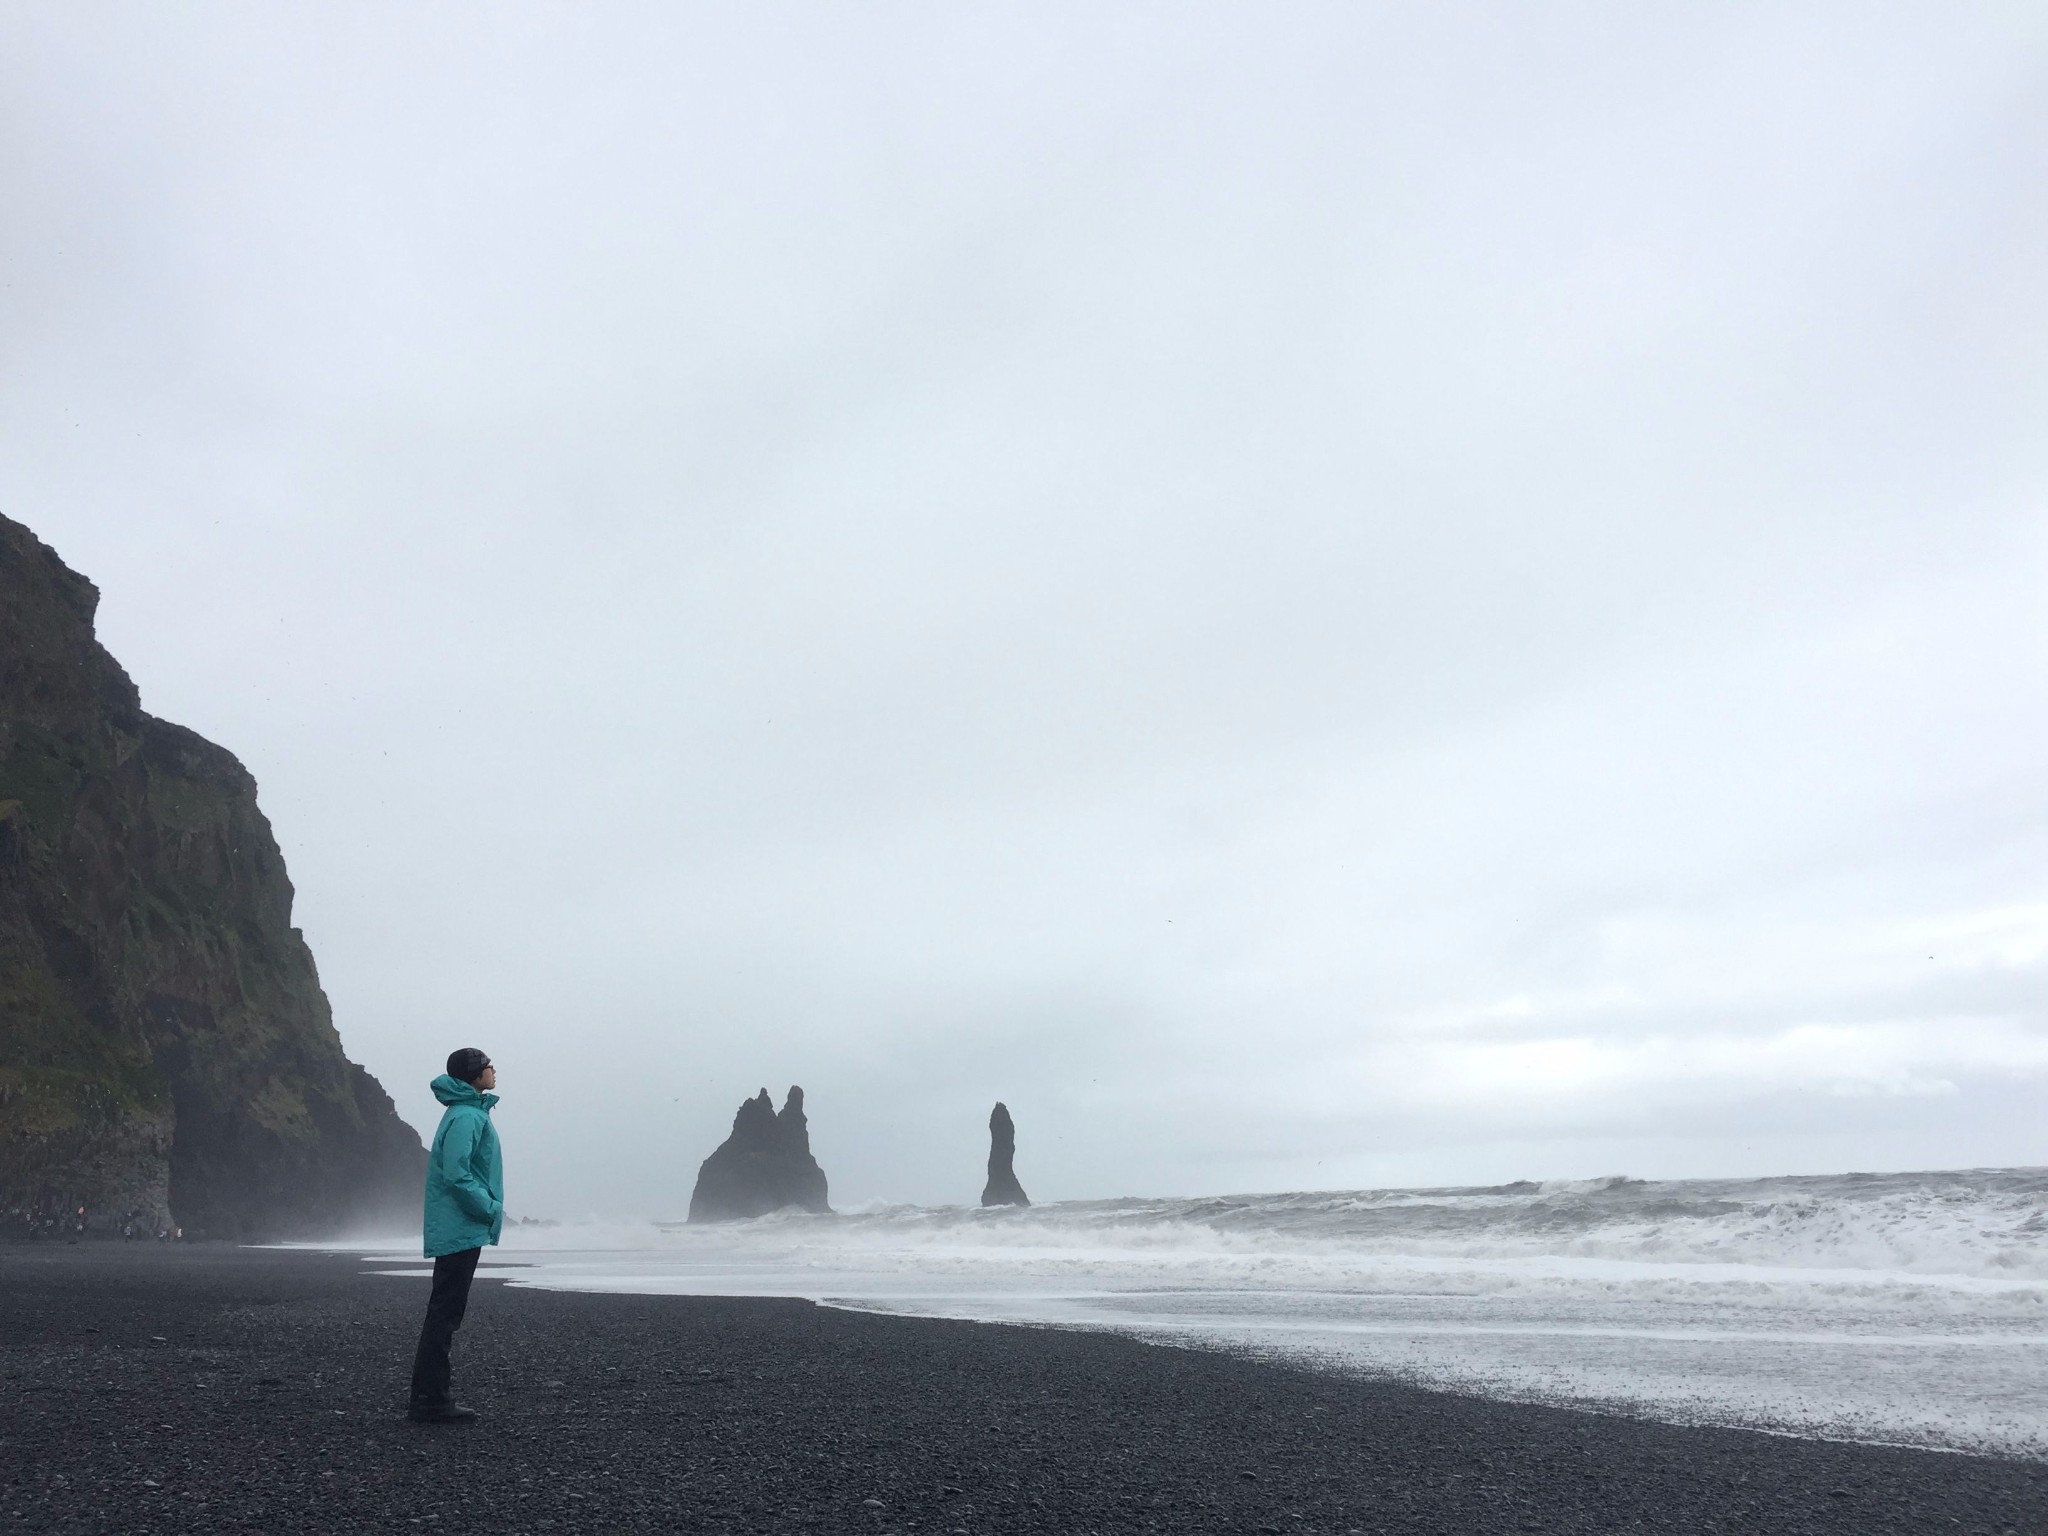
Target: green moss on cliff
166 1034
49 1039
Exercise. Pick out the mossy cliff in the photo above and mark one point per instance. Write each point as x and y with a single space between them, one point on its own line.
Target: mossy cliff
166 1052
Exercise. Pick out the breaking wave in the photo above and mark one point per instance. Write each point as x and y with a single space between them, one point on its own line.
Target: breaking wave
1902 1307
1983 1224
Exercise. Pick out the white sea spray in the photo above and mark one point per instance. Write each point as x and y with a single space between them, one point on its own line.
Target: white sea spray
1900 1307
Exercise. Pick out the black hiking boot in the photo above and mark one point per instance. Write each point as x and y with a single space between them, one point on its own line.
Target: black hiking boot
444 1412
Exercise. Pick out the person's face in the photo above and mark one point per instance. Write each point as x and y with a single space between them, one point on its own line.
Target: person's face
489 1079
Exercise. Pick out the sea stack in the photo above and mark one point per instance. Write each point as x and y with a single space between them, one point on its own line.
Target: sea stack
1002 1187
167 1057
764 1165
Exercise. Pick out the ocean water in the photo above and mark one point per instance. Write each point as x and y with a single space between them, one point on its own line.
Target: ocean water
1904 1308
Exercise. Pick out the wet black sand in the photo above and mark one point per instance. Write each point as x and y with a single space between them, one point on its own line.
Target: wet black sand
216 1389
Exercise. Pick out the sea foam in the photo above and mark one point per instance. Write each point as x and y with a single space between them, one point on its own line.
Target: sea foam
1899 1307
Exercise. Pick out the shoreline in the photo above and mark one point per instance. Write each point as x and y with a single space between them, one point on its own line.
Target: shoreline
1853 1376
203 1387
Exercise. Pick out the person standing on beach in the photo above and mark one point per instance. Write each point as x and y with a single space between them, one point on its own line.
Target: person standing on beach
465 1210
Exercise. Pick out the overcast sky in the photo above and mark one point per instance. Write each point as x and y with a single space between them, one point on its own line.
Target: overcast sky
1310 595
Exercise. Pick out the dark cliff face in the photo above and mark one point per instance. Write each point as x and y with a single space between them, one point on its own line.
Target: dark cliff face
1002 1187
166 1051
764 1165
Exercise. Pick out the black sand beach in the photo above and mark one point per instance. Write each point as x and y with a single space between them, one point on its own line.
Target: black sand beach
218 1389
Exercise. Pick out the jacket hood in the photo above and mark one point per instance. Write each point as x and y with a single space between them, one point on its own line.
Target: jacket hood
453 1090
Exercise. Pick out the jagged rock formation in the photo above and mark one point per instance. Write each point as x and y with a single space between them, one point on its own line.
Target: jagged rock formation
1002 1187
764 1165
166 1053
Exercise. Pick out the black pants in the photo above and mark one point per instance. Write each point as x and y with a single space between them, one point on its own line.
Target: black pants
430 1370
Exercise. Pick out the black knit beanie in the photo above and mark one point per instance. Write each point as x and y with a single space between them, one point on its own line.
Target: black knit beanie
468 1064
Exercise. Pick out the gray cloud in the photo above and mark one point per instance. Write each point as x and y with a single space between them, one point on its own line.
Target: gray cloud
1372 597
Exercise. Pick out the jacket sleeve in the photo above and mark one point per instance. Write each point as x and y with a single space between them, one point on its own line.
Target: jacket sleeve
469 1190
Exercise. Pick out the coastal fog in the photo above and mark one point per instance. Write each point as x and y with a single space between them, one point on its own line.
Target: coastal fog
1343 598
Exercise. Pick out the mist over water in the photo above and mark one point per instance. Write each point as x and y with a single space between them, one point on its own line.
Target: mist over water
1327 595
1909 1308
1336 595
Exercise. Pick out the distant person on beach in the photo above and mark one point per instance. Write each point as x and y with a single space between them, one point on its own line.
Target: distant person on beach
465 1210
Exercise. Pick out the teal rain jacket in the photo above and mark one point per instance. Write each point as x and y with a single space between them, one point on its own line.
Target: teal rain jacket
465 1173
